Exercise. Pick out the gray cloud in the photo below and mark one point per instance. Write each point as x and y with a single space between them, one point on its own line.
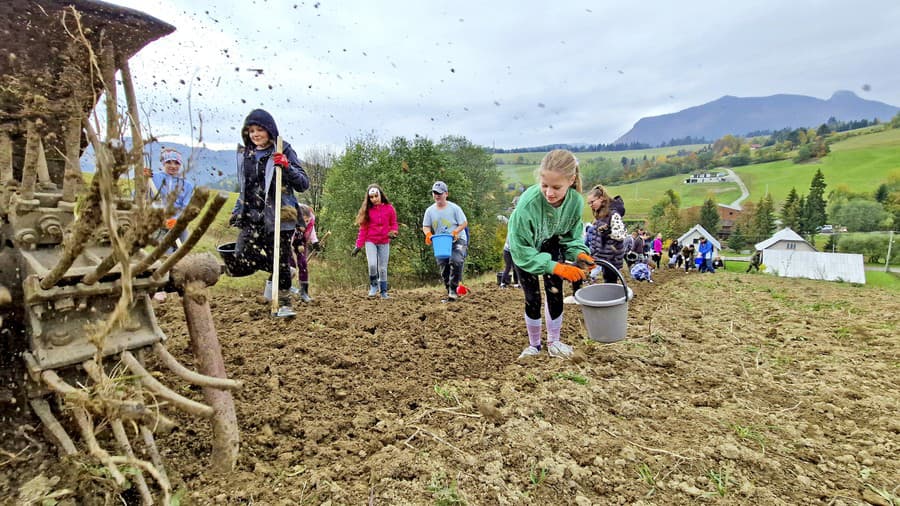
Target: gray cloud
501 73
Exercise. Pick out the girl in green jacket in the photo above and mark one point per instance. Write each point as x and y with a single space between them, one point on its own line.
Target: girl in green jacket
545 231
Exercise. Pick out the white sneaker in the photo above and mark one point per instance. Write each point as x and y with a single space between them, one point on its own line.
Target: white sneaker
530 351
451 295
559 349
570 300
285 312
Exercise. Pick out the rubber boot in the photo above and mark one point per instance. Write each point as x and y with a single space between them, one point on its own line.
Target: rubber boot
304 292
373 286
384 294
284 300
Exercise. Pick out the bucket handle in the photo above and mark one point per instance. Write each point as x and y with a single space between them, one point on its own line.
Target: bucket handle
605 264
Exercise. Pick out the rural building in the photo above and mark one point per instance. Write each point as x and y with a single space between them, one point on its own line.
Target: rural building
785 239
706 177
727 218
786 254
693 236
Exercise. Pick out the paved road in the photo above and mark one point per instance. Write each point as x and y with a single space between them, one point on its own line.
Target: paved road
744 191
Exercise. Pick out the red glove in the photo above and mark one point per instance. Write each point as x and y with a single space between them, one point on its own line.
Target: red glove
585 261
170 223
428 238
569 272
281 159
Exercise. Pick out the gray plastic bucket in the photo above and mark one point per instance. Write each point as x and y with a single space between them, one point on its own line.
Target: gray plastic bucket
605 308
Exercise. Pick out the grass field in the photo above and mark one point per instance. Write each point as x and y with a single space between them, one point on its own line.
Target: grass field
861 163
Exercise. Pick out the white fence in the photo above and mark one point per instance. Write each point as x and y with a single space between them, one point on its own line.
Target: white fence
847 267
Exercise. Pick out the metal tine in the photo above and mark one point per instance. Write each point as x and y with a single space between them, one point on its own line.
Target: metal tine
190 376
179 401
42 409
198 200
207 219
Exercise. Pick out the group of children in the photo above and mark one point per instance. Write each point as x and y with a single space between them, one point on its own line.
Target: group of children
545 238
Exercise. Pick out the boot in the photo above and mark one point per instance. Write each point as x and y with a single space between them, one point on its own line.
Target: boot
304 292
373 286
384 294
284 300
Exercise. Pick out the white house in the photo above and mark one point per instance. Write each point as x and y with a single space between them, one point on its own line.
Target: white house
693 236
785 239
786 254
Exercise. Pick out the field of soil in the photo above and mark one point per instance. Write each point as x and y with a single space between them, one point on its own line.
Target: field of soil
730 389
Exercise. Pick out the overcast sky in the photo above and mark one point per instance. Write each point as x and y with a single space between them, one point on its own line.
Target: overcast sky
501 73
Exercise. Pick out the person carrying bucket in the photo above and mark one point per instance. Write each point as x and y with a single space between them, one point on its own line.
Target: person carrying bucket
545 238
608 240
445 217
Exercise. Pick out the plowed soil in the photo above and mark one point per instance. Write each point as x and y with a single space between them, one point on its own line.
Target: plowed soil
730 388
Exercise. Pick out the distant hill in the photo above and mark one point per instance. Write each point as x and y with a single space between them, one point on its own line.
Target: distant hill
210 168
741 115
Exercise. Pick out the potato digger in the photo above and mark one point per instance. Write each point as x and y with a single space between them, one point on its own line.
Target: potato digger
79 262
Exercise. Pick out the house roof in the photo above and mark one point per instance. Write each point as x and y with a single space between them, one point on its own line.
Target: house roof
785 234
702 231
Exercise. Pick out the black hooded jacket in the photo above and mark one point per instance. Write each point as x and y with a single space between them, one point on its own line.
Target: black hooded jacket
255 206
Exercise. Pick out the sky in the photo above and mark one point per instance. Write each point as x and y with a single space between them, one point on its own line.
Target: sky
501 73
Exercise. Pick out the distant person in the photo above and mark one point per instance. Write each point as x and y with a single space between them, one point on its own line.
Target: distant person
673 252
640 271
377 222
718 263
705 253
170 190
508 277
755 261
657 246
445 217
303 243
545 235
608 240
688 254
254 211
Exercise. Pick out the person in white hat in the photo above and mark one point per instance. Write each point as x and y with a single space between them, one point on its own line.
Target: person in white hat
170 188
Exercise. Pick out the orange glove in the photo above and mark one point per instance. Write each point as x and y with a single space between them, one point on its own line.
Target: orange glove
569 272
428 238
170 223
148 172
454 233
585 261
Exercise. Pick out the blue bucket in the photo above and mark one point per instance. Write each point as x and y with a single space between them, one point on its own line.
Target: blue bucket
442 244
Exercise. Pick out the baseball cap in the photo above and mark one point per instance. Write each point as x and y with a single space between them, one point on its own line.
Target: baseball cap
439 187
170 155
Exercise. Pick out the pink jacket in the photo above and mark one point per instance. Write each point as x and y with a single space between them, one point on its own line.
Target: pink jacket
382 220
657 246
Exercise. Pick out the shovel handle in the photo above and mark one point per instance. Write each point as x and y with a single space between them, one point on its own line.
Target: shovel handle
276 247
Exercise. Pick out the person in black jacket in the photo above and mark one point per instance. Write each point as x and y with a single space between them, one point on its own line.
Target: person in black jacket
254 212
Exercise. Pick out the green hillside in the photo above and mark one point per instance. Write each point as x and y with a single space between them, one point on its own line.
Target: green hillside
524 173
860 163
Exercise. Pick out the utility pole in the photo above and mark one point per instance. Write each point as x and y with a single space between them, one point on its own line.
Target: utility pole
887 261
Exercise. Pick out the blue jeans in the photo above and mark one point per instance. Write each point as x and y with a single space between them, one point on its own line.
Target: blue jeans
377 256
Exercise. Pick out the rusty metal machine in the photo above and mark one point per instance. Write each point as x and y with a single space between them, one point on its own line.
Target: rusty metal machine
78 262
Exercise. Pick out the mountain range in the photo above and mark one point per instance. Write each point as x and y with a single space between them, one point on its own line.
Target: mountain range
742 115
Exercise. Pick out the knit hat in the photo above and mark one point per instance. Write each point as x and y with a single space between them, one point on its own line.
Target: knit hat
170 155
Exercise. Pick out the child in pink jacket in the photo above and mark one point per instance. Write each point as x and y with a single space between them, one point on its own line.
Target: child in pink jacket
377 221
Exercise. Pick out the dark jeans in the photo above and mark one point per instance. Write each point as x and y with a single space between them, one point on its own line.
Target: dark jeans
255 249
509 267
451 268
